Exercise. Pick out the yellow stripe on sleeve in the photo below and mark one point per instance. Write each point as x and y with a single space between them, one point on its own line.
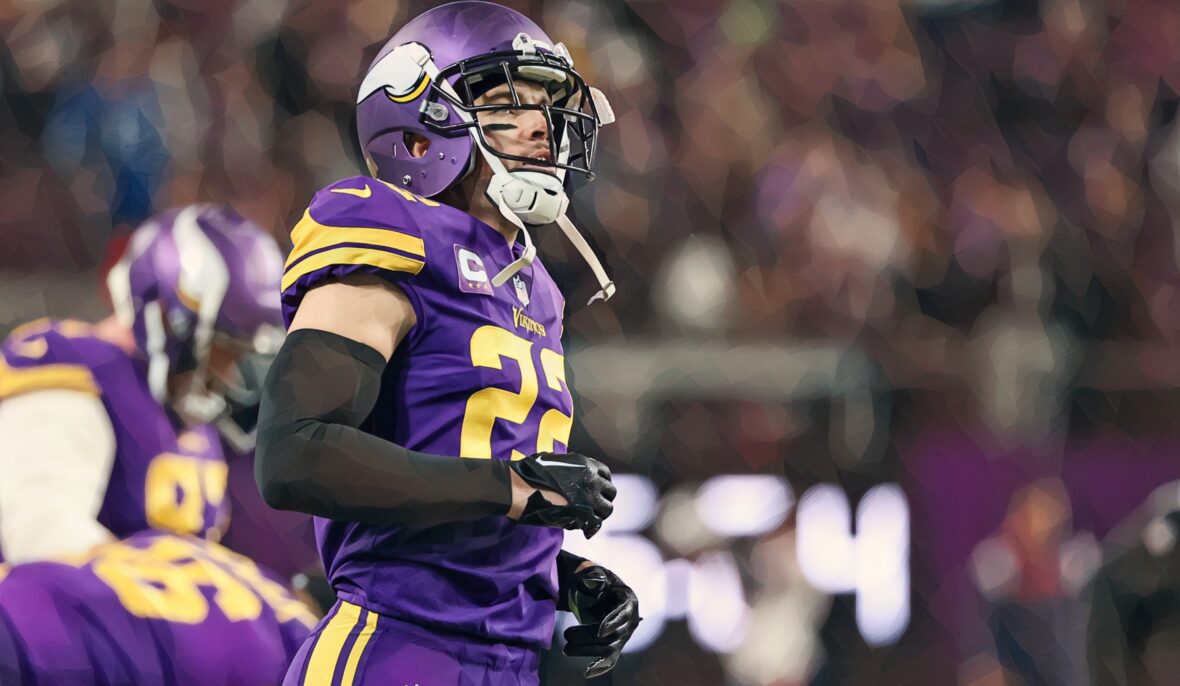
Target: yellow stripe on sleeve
352 255
36 326
358 649
310 235
322 663
14 381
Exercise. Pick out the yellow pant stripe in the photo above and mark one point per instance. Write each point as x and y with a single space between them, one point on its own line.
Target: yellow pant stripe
358 649
326 653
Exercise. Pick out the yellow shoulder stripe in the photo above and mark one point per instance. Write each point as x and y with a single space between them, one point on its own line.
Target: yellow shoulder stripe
36 326
14 381
310 235
70 328
352 255
31 348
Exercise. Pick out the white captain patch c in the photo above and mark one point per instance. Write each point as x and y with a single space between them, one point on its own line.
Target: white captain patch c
473 275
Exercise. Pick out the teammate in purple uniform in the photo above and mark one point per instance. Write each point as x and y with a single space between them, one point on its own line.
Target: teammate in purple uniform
118 414
419 405
107 432
154 608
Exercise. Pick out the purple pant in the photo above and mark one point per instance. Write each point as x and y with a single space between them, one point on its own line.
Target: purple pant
353 646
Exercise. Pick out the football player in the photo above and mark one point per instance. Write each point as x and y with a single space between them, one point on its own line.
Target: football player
419 405
154 608
121 417
119 414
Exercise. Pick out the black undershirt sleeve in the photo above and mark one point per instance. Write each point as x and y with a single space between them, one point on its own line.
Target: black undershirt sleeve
312 456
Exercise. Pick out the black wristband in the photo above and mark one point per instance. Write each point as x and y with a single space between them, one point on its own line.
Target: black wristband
567 566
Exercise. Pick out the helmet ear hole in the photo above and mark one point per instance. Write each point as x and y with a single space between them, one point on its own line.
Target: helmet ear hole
417 144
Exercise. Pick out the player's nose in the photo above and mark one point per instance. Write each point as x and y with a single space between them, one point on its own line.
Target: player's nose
533 126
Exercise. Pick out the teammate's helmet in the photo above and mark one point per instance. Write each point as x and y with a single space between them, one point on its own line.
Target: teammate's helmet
188 276
471 47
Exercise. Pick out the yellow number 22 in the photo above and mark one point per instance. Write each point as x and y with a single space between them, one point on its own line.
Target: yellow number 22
490 345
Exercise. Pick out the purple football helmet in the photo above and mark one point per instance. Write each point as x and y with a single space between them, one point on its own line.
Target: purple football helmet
191 275
471 47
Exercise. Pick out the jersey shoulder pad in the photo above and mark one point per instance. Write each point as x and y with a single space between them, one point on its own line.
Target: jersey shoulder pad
47 354
358 225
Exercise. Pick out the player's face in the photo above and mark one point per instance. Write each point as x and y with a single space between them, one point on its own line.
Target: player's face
224 355
221 371
517 132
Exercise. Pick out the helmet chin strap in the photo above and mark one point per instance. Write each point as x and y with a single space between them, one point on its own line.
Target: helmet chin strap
605 285
511 194
528 197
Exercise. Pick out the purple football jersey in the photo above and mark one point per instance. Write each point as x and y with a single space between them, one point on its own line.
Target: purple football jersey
153 609
163 477
480 375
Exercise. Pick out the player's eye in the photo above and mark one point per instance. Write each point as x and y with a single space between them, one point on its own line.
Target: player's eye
506 112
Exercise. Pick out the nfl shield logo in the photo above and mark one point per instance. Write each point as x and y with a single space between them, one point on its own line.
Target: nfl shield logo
522 290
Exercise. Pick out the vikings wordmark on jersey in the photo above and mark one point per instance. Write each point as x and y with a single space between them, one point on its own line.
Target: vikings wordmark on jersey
481 375
153 609
162 477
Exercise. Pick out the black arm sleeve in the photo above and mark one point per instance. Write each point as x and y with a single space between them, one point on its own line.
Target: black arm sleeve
313 458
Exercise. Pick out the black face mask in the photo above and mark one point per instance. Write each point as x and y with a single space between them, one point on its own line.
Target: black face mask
240 421
572 118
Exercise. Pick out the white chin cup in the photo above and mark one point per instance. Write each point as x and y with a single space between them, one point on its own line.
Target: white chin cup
199 408
534 196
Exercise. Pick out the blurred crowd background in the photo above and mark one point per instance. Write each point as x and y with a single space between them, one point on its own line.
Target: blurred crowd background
892 367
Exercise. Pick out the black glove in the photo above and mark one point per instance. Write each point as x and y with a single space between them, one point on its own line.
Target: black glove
583 481
607 611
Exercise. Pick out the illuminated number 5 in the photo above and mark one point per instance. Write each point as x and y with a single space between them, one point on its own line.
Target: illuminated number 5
490 345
